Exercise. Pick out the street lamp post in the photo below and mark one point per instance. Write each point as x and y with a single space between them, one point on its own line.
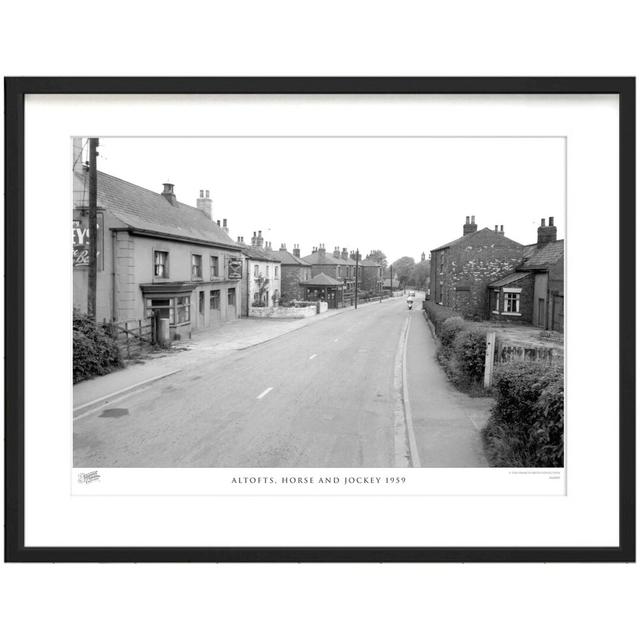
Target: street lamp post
357 260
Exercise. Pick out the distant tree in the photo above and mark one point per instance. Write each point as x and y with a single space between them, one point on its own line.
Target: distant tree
402 269
420 274
378 256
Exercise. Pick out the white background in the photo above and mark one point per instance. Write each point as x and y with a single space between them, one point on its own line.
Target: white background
587 516
331 38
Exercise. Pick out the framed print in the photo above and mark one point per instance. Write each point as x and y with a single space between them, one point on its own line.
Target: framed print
320 319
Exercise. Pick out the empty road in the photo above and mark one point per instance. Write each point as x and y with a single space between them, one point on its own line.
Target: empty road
327 395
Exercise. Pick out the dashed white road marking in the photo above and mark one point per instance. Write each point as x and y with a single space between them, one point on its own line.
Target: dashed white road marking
313 356
336 340
264 393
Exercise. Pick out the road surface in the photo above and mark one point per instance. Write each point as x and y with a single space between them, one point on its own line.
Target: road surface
327 395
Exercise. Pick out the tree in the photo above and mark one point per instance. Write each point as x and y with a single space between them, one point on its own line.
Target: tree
378 256
403 268
420 274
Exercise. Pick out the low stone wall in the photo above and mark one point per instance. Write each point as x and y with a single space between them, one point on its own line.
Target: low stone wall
282 312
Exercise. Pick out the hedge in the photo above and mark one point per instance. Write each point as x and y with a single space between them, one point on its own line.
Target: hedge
95 352
438 314
526 428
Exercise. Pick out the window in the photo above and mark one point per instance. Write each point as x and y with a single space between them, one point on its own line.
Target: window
196 266
172 308
267 270
441 261
231 297
511 302
214 299
496 305
276 272
256 270
215 267
161 264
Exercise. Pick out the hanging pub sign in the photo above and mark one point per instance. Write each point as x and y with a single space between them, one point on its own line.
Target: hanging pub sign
235 268
82 241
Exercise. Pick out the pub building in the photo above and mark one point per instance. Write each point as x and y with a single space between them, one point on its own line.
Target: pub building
156 257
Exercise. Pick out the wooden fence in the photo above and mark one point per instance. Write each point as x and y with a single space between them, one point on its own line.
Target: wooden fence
133 336
499 352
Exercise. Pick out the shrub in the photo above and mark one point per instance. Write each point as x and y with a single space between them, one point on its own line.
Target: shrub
95 351
449 330
469 349
438 314
526 428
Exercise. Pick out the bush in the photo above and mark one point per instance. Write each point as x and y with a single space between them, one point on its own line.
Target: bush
438 314
95 352
469 349
526 428
450 328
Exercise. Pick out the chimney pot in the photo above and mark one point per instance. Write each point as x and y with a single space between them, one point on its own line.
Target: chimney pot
168 193
496 229
207 193
542 222
467 220
551 222
501 227
201 193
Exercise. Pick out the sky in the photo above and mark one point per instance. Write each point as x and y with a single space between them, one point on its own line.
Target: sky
400 195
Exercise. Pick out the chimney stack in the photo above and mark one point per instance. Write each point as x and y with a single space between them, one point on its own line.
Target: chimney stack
225 228
345 253
469 226
204 203
259 239
168 193
501 232
546 234
296 250
336 252
322 251
254 239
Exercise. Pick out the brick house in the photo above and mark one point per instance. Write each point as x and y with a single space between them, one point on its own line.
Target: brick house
261 285
294 271
370 278
337 265
534 292
462 269
156 257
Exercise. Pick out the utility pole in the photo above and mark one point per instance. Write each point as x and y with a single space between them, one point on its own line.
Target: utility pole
357 260
93 227
391 279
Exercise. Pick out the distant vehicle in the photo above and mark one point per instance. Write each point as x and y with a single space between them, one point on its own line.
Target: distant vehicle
411 294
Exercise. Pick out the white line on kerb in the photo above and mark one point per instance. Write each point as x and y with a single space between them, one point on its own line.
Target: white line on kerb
264 393
313 356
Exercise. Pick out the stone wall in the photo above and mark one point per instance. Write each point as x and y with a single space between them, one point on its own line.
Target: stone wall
282 312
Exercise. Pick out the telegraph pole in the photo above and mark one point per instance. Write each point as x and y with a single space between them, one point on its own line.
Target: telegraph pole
93 227
357 260
391 279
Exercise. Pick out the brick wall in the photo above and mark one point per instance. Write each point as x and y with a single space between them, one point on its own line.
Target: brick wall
469 266
291 275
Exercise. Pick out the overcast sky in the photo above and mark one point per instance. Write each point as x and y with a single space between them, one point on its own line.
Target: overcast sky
400 195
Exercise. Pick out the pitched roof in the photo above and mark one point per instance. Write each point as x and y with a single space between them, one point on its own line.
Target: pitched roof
510 279
468 237
258 253
541 258
369 263
286 257
145 210
323 279
328 258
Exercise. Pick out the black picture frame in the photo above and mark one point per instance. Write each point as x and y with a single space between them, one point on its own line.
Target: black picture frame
15 91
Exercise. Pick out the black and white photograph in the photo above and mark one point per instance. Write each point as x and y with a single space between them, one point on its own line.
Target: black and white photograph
318 302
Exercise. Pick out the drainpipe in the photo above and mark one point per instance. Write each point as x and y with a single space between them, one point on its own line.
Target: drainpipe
114 297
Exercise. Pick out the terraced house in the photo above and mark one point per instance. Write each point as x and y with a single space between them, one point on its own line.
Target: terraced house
157 257
337 265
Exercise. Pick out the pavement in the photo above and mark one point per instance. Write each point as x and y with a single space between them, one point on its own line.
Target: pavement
318 392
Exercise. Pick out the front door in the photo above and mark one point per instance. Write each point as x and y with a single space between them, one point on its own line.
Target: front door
231 304
214 307
200 309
